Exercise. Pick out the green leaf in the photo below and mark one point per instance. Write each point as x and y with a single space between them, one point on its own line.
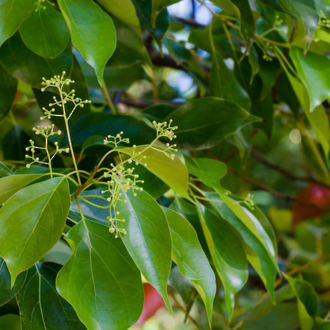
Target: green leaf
171 171
59 254
32 222
210 171
41 307
313 69
260 254
8 88
306 11
30 68
122 9
191 259
158 112
148 238
108 293
4 170
8 293
228 256
202 125
103 124
11 184
307 301
223 84
86 20
10 321
12 14
45 31
254 62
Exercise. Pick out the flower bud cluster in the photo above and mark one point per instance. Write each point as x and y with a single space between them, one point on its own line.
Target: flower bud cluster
115 140
165 130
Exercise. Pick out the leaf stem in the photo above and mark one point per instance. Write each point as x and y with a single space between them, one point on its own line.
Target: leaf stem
107 97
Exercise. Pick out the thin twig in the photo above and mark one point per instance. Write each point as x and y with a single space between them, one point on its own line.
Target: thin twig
183 310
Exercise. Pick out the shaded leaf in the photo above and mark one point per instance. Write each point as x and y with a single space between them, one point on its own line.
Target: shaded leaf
108 294
32 222
86 20
41 307
148 238
12 321
204 122
12 14
59 254
45 31
4 170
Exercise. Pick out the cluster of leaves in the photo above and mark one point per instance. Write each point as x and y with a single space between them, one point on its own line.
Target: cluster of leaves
96 196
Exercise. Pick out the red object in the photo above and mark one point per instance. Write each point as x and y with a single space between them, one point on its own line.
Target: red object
152 303
312 194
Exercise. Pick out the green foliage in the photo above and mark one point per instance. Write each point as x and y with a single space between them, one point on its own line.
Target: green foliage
137 146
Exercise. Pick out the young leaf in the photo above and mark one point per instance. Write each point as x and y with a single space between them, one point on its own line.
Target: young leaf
228 256
92 32
108 293
223 84
32 222
12 14
8 89
9 185
313 69
148 238
8 293
191 259
45 31
41 307
204 122
171 171
210 171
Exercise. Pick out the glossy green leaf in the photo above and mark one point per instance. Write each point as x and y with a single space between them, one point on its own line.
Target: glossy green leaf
10 321
260 256
191 259
86 20
204 122
30 68
45 31
41 307
130 48
313 70
103 124
148 238
9 185
59 254
223 84
307 301
228 255
8 88
32 222
179 52
122 9
305 10
12 14
4 170
171 171
108 294
8 293
210 171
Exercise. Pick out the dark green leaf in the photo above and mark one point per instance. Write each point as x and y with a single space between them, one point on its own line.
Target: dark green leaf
30 68
191 259
12 14
223 84
45 31
159 112
11 184
86 20
8 88
108 294
8 293
32 222
171 171
210 171
148 238
204 122
41 307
